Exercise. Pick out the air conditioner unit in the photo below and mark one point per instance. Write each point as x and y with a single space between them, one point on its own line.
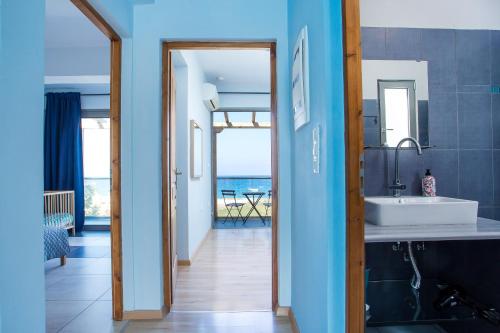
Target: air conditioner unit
210 96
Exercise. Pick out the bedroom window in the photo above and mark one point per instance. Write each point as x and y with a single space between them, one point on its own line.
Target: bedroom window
96 169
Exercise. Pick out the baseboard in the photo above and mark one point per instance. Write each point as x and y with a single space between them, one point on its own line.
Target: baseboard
283 311
293 321
145 314
183 262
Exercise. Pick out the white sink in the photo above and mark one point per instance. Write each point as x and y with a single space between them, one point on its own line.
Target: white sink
389 211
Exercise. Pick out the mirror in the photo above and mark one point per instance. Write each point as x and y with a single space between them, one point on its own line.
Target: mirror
395 102
196 150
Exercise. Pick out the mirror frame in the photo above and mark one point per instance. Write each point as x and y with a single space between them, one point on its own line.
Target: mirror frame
410 85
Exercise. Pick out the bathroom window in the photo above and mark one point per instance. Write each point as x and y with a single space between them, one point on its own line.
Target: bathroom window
398 115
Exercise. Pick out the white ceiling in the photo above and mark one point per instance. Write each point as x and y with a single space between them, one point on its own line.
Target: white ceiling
242 70
67 27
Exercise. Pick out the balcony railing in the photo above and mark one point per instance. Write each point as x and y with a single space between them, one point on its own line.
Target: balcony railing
242 184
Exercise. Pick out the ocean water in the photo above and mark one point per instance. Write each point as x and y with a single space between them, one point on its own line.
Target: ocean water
97 191
243 184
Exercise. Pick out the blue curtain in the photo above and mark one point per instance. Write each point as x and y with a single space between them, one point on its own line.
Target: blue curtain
63 148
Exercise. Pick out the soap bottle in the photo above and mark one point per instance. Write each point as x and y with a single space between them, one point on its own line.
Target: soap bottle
429 184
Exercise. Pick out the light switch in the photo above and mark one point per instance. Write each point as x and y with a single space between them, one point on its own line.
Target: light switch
315 149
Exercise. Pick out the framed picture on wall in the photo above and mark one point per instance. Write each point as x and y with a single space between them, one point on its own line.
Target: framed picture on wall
300 80
196 150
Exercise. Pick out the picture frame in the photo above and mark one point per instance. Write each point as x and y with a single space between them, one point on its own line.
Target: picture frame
300 80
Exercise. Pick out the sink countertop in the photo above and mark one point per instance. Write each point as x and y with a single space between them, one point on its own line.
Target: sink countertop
484 229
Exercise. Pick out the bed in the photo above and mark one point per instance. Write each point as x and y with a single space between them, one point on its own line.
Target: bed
59 209
56 245
59 217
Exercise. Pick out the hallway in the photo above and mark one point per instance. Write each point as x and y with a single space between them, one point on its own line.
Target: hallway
231 272
214 322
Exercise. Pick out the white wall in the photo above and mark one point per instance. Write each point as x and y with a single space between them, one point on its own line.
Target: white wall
194 217
245 100
445 14
374 70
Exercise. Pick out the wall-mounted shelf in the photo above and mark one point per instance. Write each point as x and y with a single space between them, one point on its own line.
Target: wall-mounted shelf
484 229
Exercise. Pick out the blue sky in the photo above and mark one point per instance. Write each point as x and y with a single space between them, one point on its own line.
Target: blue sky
244 152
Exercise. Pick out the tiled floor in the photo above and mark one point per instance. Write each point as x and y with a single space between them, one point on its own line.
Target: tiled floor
78 295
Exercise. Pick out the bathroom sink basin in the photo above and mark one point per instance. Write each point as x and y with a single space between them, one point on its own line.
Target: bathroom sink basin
391 211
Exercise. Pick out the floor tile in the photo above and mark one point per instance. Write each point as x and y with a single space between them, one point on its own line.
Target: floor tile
79 288
96 319
79 266
89 241
90 252
108 296
60 313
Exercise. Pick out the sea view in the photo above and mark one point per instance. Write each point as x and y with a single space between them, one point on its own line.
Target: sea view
243 184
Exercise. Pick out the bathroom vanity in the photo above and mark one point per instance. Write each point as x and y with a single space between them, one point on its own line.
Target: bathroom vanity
440 252
484 229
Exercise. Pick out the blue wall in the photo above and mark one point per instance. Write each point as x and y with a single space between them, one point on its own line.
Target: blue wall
318 223
21 135
195 20
21 166
319 202
117 13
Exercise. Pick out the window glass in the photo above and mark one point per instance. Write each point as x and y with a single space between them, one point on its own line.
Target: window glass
96 166
396 115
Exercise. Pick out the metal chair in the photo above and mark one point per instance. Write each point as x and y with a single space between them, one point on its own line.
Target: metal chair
229 197
268 204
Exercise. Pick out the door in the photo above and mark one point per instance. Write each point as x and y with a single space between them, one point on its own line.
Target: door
173 187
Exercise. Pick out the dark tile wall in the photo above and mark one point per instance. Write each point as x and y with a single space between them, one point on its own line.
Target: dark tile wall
464 130
463 114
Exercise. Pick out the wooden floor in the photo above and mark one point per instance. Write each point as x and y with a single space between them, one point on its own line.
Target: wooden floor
213 322
232 272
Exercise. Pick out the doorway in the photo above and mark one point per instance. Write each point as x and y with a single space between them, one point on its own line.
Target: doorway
171 172
94 81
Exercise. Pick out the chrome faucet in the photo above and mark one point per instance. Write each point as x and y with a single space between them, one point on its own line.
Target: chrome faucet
396 186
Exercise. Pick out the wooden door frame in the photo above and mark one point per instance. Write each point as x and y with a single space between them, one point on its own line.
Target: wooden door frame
167 48
115 123
354 150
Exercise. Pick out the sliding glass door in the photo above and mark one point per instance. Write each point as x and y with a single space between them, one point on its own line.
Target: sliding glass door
96 169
